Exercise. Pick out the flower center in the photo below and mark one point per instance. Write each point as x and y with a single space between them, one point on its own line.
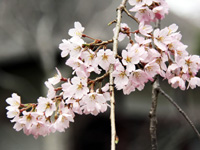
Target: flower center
122 74
128 59
105 57
80 86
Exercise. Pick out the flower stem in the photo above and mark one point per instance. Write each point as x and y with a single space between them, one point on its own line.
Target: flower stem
112 99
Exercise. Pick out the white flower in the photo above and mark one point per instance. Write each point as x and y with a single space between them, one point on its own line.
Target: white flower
121 77
145 29
105 58
77 30
56 79
14 101
79 87
46 105
94 103
51 91
66 47
13 109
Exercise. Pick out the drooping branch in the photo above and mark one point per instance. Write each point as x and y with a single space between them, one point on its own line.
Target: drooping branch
181 111
152 114
126 11
111 82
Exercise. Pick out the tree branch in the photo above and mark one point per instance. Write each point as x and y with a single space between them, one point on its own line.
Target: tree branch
127 12
111 82
181 111
152 114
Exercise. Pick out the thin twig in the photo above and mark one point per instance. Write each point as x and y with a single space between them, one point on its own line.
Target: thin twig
99 78
127 12
181 111
111 82
152 114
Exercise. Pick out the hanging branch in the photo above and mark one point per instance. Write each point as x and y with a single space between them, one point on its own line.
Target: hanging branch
181 111
112 99
152 114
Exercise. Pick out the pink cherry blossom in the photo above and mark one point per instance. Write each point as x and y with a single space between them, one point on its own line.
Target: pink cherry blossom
18 126
65 117
138 51
68 92
160 38
129 60
77 30
141 40
172 28
152 55
66 47
193 82
177 82
136 3
46 105
105 58
89 57
139 76
40 128
51 90
161 10
130 87
12 112
74 63
143 14
75 105
121 77
145 29
151 69
27 119
123 28
14 101
56 79
13 109
80 87
93 103
76 46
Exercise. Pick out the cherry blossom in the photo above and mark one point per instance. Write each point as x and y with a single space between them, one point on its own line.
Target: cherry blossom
79 87
151 69
121 77
51 90
129 60
62 122
46 105
177 82
105 58
124 31
93 103
56 79
145 29
193 82
160 38
77 30
66 47
149 51
14 103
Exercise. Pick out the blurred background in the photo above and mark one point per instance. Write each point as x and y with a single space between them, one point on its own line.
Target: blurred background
30 32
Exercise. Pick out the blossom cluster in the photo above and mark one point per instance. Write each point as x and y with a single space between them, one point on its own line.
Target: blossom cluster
149 10
148 53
